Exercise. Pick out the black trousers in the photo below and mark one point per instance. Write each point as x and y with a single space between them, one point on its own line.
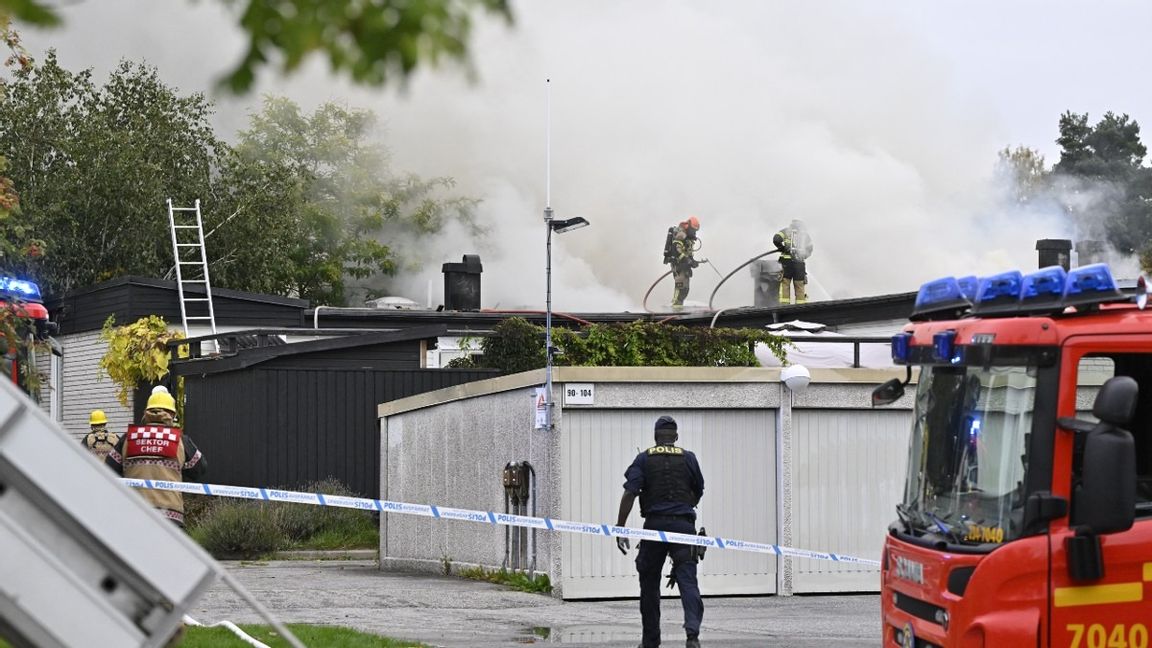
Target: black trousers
650 562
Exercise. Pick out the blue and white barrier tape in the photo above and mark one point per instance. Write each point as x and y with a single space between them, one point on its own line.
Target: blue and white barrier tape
489 517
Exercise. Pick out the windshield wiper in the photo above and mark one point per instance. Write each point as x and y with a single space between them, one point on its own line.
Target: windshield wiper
948 531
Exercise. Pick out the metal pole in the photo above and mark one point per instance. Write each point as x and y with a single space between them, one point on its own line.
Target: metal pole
548 323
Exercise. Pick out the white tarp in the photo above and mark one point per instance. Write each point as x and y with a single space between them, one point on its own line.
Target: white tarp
823 354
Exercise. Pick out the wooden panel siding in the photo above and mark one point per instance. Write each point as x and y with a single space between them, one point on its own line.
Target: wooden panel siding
284 427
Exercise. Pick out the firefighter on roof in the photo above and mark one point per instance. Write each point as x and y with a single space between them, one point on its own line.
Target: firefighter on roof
795 247
679 246
157 450
99 441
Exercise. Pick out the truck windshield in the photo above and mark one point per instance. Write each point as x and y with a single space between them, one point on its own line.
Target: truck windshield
966 460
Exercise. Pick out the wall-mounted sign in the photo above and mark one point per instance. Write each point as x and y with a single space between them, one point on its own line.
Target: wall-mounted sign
579 393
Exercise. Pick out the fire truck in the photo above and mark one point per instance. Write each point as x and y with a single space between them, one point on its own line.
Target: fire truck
1026 517
30 324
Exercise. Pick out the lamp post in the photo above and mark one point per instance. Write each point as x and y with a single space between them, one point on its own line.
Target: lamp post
558 226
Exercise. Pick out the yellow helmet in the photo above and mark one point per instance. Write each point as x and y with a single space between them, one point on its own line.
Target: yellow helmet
97 417
161 399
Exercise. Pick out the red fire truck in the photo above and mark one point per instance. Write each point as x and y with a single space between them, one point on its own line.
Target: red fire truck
30 323
1026 518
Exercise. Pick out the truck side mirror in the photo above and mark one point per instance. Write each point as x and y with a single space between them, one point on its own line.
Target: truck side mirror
890 391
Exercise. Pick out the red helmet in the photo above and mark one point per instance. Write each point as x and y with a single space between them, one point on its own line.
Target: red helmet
693 222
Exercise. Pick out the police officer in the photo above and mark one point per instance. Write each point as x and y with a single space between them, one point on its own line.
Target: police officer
99 441
668 481
156 449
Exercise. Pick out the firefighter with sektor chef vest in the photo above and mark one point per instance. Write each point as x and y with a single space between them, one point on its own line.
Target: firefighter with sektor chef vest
158 450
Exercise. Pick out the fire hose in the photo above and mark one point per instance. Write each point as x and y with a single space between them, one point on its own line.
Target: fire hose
729 275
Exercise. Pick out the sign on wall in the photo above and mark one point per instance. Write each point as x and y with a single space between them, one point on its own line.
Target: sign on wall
579 394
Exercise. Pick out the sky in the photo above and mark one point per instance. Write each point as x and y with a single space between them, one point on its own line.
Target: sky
876 123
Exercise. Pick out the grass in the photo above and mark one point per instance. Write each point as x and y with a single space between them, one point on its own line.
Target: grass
539 583
313 636
310 635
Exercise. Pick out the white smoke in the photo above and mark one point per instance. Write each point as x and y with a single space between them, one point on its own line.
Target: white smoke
876 123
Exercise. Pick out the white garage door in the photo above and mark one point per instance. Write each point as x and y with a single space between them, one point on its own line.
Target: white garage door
737 453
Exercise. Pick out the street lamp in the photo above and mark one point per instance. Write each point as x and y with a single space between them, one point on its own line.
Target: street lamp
558 226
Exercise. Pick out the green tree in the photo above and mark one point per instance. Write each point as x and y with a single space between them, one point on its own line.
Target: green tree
352 199
1106 160
370 41
1023 171
95 165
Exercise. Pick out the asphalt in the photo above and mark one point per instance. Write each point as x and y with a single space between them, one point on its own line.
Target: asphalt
453 612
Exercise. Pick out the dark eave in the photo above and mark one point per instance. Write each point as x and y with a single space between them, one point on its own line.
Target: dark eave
248 357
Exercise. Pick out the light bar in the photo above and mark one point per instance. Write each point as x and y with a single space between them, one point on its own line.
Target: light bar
1043 290
944 347
999 293
968 286
21 288
941 296
1091 284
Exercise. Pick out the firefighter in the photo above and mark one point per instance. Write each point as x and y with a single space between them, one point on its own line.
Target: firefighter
668 481
99 441
679 247
795 247
157 450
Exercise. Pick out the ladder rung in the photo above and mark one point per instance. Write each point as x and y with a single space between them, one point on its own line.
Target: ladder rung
183 208
191 263
197 318
192 299
188 244
186 226
193 281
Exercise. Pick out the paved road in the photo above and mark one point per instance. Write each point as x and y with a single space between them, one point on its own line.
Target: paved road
458 613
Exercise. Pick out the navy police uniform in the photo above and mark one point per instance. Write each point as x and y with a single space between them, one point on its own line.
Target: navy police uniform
669 483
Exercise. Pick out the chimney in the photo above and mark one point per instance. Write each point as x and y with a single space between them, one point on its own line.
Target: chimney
1089 252
462 284
1055 252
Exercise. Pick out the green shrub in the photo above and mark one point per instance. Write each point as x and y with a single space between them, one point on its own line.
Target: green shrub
537 583
239 529
303 523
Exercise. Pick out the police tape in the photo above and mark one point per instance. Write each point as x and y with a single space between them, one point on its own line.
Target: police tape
490 517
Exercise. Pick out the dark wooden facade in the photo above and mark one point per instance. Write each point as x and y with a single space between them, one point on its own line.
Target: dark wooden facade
283 416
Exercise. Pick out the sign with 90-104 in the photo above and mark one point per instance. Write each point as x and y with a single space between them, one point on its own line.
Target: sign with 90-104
579 393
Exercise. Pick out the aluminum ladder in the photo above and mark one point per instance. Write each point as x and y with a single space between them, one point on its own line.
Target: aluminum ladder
192 268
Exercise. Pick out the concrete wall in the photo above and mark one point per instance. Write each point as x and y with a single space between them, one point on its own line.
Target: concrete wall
447 448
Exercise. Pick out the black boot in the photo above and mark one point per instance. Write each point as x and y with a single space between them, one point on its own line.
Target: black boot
693 642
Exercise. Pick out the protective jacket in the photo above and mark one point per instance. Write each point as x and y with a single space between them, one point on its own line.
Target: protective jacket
668 481
100 442
158 453
793 243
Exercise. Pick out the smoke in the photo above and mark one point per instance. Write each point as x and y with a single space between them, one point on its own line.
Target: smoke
861 120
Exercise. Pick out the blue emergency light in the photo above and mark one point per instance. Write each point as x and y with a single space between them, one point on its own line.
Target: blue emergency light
901 347
19 288
944 347
1091 284
968 286
939 296
1043 290
998 293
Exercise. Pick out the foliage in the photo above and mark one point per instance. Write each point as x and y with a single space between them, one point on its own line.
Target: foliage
94 166
517 345
347 201
332 526
1109 155
138 354
309 635
537 583
221 526
371 42
239 529
1024 171
19 251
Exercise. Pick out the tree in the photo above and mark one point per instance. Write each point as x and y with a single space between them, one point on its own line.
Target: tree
19 251
1105 161
353 202
95 166
1024 172
373 42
